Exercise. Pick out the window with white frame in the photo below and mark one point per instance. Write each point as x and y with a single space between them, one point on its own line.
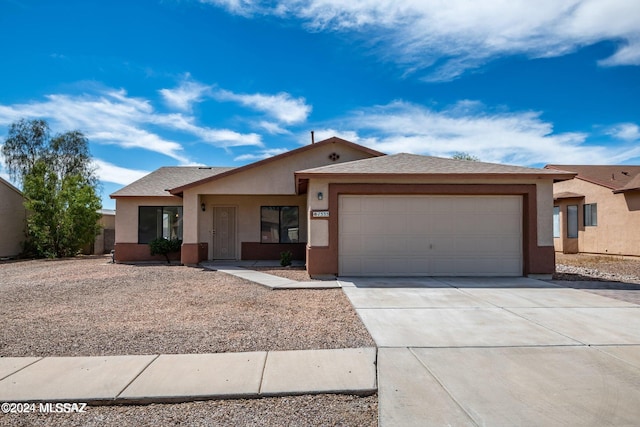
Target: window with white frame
591 215
556 221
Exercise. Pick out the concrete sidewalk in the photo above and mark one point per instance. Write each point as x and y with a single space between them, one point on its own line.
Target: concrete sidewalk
274 282
187 377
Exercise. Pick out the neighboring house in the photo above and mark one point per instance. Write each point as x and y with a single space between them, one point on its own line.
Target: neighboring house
598 211
12 220
349 210
105 240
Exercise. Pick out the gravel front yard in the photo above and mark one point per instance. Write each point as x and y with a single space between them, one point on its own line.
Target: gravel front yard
320 410
89 307
606 276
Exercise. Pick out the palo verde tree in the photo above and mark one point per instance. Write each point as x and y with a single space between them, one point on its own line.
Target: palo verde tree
59 185
459 155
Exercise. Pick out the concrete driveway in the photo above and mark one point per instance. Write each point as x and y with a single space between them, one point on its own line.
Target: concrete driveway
500 352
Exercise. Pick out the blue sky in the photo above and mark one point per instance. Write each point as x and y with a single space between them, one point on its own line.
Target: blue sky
228 82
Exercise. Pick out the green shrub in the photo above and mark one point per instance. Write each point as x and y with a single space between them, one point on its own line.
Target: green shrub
162 246
285 258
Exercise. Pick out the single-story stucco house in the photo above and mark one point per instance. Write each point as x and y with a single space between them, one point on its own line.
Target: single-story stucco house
349 210
598 211
13 217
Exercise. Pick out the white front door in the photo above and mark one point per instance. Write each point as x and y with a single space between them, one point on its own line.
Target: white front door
224 232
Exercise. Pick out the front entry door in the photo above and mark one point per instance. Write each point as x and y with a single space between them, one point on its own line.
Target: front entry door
224 232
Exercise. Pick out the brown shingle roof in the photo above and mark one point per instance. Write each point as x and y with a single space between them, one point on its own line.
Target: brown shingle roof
615 177
413 164
166 178
634 184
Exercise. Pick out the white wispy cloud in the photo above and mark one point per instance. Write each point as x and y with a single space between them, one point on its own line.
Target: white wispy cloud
522 138
186 94
272 128
282 106
625 131
112 117
108 172
455 35
262 154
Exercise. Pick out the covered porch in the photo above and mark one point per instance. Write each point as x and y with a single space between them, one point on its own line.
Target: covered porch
243 227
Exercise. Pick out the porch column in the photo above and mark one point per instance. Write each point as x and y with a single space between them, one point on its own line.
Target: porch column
321 257
192 251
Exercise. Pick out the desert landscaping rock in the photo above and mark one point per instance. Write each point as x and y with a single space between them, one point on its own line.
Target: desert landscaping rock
579 267
89 307
317 410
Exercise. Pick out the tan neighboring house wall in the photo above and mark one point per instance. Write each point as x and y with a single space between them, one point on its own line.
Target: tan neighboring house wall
13 219
105 241
618 228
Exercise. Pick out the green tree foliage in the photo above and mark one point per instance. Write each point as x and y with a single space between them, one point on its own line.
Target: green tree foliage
59 186
464 156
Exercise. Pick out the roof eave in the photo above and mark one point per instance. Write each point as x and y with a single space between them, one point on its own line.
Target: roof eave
624 190
126 196
11 186
555 177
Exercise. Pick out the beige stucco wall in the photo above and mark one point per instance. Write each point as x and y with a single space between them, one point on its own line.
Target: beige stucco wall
271 178
319 229
12 220
277 177
247 216
618 229
126 220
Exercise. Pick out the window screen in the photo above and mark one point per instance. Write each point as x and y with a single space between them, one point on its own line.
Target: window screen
591 215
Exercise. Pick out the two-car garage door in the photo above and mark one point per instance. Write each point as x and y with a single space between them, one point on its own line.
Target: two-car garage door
430 235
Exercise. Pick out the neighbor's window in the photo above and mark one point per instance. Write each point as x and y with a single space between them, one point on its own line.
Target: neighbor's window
279 224
556 221
591 214
159 221
572 221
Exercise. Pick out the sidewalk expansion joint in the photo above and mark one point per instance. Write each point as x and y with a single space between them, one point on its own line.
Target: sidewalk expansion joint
117 396
24 367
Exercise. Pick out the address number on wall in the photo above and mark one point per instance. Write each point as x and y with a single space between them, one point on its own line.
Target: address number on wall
320 214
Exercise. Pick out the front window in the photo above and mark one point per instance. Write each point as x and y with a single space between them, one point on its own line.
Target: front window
279 224
159 221
556 221
572 221
591 215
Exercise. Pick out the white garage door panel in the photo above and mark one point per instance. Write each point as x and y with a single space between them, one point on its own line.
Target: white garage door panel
432 235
